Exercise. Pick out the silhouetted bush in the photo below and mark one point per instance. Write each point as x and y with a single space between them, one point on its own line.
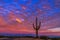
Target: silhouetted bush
55 39
44 37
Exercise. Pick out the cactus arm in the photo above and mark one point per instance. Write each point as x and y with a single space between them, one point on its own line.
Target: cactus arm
33 26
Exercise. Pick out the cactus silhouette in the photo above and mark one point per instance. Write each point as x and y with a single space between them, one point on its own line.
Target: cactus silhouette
37 26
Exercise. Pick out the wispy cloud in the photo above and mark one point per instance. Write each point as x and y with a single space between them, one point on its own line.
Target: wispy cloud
54 29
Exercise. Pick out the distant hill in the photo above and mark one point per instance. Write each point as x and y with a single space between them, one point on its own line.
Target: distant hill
25 35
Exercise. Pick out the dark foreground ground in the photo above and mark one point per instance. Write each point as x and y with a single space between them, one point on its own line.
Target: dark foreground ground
25 39
21 39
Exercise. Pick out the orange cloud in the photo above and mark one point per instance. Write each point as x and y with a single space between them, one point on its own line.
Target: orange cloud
18 20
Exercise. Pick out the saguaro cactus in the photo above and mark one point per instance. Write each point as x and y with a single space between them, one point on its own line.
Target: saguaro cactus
37 26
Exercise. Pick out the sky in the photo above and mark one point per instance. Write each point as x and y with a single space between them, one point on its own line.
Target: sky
17 16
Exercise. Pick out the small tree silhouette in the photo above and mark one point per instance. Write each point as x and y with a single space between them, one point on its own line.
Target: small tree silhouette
37 27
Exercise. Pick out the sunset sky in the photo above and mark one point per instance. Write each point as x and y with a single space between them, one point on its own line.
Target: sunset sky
17 16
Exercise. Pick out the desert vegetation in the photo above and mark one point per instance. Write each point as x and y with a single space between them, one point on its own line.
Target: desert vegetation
26 38
36 27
